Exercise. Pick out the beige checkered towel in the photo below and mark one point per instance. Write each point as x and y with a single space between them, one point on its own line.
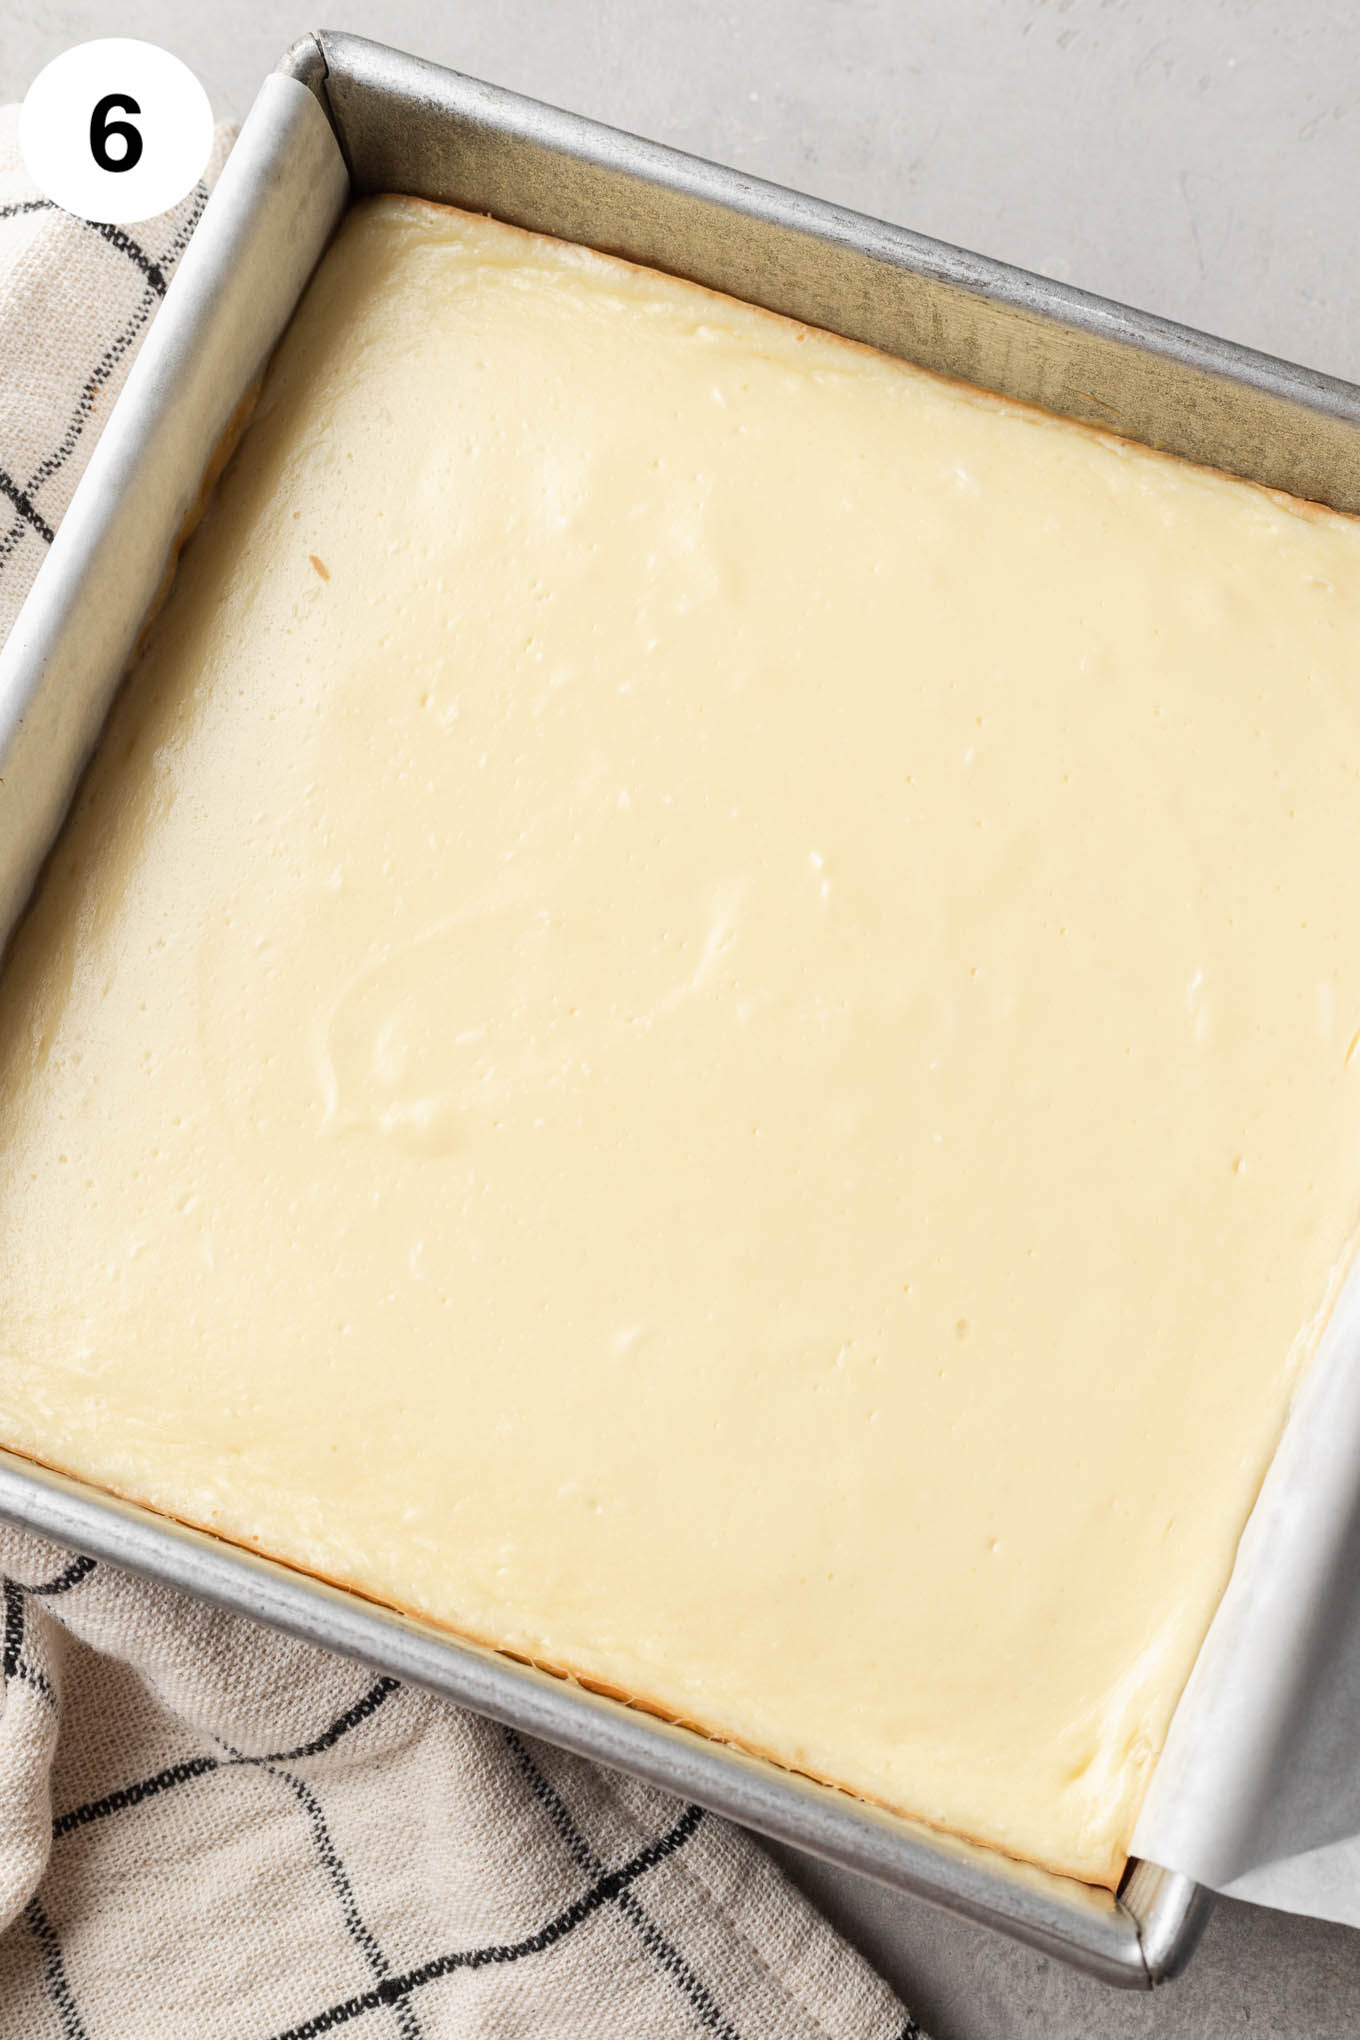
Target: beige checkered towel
211 1832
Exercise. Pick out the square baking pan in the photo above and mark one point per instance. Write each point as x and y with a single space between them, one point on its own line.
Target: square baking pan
342 117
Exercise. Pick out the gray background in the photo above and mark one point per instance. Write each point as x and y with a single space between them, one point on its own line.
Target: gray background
1198 159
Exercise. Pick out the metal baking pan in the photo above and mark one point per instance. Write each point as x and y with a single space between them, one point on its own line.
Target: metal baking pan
405 125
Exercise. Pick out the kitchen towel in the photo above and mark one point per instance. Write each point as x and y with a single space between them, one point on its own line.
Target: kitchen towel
209 1829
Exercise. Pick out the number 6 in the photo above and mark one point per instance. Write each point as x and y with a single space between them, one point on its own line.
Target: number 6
101 128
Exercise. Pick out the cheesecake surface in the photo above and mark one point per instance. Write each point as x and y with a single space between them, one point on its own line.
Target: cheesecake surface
700 1017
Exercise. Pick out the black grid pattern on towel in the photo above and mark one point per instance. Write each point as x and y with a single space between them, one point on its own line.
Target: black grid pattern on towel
23 495
706 2011
54 1973
390 1993
564 1921
13 1664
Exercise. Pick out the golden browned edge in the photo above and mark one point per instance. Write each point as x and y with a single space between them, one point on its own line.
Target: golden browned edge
641 1703
1303 506
218 462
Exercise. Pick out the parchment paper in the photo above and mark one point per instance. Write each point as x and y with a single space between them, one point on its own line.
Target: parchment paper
1257 1792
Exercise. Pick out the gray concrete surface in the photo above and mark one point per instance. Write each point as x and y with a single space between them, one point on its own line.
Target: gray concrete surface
1196 157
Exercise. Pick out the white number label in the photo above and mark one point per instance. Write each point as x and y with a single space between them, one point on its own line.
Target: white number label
115 130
